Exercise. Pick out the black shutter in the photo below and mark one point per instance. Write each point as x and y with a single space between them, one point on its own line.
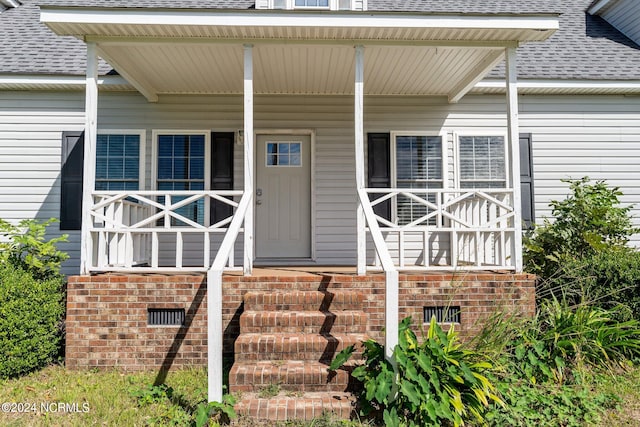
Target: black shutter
526 181
379 168
221 171
71 180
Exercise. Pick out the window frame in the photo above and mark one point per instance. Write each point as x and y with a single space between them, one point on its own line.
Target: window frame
267 154
468 133
327 7
393 160
291 5
142 134
155 134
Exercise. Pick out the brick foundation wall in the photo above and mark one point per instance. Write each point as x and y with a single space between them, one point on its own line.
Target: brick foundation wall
106 324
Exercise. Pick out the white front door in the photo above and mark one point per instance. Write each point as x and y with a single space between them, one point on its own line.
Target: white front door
283 196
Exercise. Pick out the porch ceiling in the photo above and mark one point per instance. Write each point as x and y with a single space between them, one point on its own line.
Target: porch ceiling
195 52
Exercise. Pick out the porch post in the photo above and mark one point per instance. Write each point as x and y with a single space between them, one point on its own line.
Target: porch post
90 131
514 145
359 151
248 156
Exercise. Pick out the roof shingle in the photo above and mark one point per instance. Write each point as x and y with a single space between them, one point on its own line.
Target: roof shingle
585 47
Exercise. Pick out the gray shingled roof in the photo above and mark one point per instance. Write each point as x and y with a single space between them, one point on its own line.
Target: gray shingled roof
585 47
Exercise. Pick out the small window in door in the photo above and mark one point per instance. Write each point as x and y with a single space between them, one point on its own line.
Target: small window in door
284 154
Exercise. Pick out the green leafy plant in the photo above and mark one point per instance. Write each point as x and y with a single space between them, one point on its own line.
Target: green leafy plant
216 413
27 248
548 404
173 410
590 219
30 321
437 381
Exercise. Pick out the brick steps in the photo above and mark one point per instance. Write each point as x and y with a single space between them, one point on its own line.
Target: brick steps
304 406
294 300
291 375
302 321
287 341
287 346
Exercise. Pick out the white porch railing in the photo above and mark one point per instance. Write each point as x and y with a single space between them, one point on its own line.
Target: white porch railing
151 230
447 229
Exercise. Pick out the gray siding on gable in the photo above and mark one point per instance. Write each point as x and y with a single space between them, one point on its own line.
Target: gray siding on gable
597 136
625 16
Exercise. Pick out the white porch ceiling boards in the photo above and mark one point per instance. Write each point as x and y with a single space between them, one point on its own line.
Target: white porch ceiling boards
200 52
295 69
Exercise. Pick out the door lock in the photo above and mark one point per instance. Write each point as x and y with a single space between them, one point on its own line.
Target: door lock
259 192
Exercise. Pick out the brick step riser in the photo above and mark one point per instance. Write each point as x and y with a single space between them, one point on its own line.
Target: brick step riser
303 356
311 348
302 407
314 330
292 381
306 322
312 306
303 301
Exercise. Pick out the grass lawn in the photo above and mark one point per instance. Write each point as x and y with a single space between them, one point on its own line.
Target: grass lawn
107 398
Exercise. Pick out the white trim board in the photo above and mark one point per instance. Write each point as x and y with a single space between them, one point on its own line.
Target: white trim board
121 16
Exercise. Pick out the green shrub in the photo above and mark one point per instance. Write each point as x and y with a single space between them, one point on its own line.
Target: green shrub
589 220
26 248
609 278
30 317
437 381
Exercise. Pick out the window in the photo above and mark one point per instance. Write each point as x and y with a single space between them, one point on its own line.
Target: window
312 3
118 162
284 154
482 162
418 164
181 167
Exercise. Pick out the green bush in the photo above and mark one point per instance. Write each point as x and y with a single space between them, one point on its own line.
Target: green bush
589 220
30 319
26 248
609 278
437 381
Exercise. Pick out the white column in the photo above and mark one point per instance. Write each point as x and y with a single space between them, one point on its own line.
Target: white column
248 157
358 118
214 335
90 131
514 150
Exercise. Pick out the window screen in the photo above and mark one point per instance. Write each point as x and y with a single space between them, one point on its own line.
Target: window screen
181 167
418 165
118 162
482 162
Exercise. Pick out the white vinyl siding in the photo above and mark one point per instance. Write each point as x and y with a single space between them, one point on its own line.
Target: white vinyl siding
574 136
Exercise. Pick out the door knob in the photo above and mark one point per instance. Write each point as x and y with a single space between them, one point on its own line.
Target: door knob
258 202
